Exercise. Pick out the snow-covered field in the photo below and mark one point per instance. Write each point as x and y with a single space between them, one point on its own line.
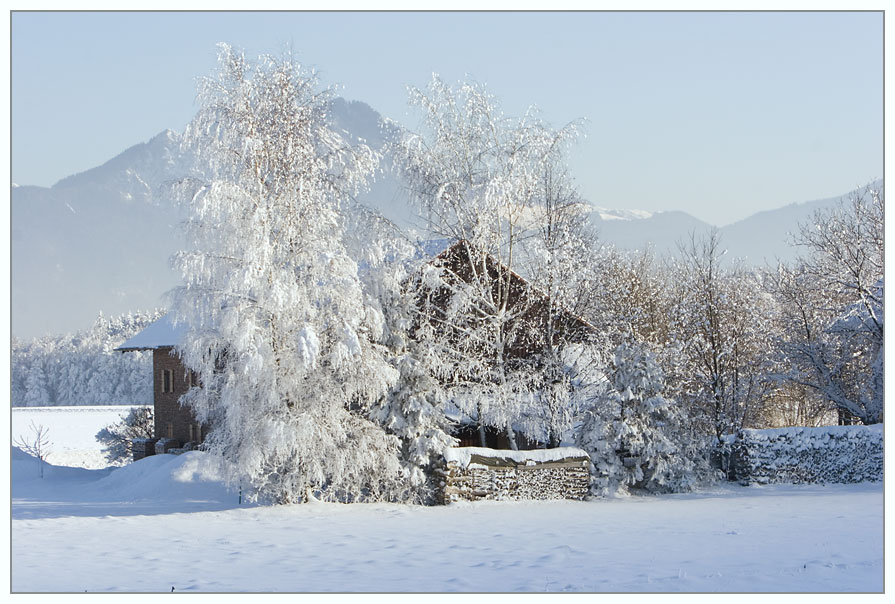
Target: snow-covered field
71 431
165 522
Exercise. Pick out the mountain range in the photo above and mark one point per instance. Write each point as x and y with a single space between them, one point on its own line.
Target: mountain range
100 240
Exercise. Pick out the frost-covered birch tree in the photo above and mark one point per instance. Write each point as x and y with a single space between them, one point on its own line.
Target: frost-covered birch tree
280 335
631 296
556 257
474 173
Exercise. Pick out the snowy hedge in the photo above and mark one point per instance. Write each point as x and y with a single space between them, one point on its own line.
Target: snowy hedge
472 473
833 454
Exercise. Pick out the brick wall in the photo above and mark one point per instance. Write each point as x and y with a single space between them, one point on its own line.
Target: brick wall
171 419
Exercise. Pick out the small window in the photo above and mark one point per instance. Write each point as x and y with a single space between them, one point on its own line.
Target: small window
192 433
170 430
167 380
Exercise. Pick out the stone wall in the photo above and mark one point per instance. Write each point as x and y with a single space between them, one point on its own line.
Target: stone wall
472 473
143 447
833 454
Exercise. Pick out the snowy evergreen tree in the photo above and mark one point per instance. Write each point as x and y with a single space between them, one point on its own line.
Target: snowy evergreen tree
19 362
84 369
414 409
37 392
415 412
636 437
280 335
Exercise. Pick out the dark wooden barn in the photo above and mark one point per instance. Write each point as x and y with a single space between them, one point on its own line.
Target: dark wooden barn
532 324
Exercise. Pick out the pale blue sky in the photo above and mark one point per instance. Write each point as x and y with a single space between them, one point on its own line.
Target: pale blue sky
716 114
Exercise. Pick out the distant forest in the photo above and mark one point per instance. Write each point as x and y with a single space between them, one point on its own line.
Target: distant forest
84 369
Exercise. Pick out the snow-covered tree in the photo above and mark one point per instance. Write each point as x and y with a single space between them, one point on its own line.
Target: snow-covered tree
631 296
719 326
793 404
17 371
280 335
83 368
414 408
475 175
414 411
833 308
638 438
37 392
556 258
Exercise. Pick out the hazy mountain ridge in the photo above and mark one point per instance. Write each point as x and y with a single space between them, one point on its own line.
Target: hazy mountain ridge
763 238
135 172
660 231
768 236
101 240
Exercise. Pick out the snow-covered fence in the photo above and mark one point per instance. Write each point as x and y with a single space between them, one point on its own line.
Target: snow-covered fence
472 473
833 454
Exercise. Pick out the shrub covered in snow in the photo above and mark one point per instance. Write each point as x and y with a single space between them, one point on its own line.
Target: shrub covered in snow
118 438
832 454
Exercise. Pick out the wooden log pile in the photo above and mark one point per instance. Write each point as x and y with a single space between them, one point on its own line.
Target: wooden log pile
830 454
472 473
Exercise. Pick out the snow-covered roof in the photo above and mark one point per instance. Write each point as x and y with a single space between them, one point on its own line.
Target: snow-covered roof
159 334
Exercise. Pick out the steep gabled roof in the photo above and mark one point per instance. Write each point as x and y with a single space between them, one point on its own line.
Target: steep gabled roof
458 252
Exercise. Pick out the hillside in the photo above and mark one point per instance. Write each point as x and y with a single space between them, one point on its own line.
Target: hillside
101 240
